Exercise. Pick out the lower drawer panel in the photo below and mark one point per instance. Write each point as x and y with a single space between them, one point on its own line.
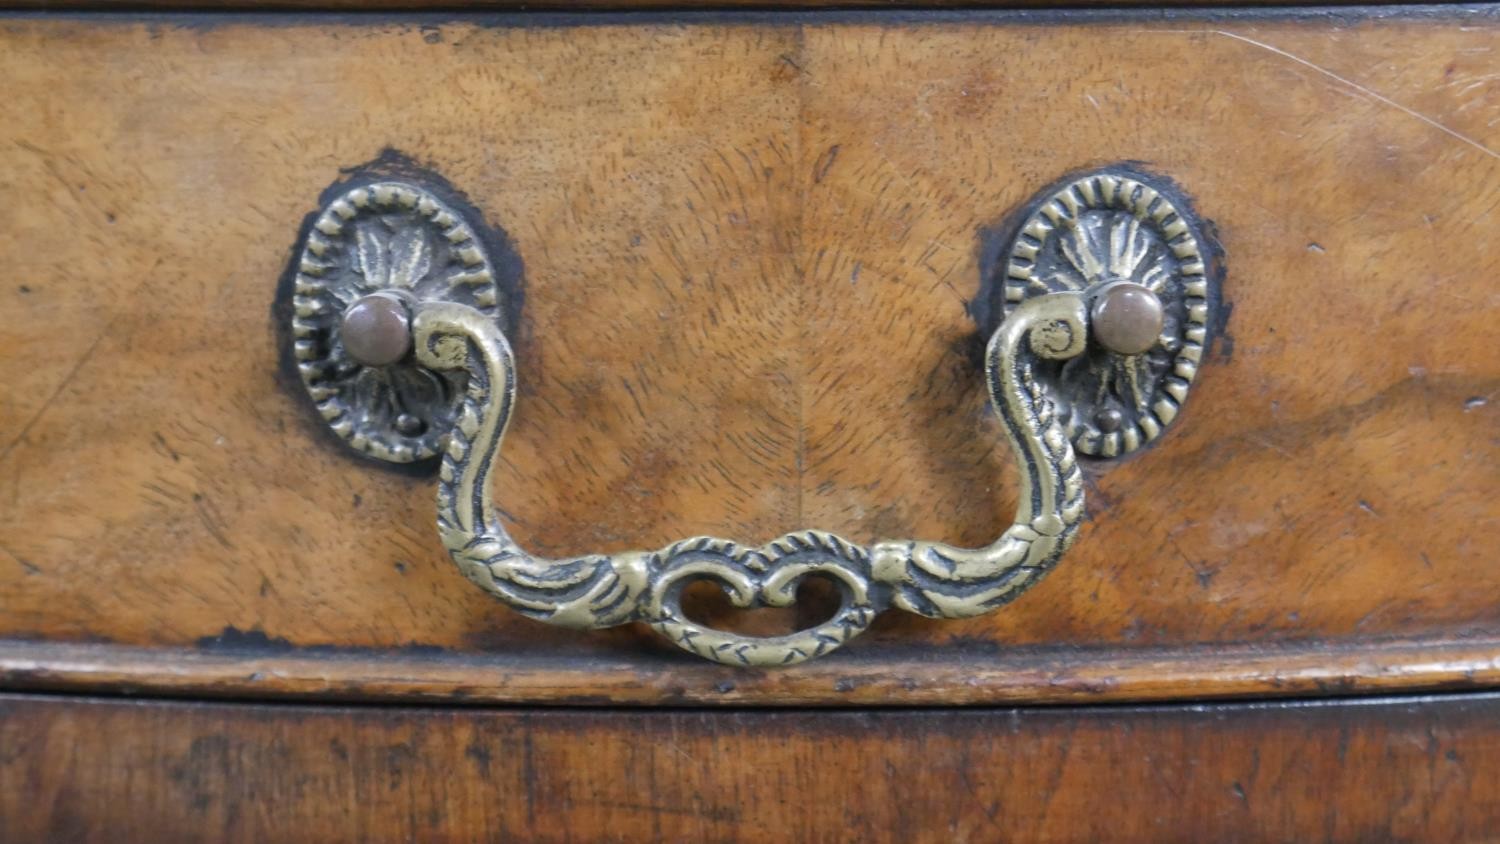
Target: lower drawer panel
120 772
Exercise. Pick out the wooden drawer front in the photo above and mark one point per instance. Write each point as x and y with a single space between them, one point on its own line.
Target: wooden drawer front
749 248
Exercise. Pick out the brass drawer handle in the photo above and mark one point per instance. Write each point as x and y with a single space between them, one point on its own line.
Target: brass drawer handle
608 589
1121 295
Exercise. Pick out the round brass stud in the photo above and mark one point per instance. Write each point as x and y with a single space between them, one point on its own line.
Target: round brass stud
376 329
1127 318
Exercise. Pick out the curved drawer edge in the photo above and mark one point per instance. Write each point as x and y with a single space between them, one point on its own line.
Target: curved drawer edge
1026 676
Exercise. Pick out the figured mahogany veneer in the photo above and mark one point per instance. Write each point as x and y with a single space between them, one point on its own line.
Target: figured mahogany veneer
751 254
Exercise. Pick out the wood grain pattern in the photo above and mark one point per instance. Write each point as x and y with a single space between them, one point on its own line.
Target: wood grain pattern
81 770
749 250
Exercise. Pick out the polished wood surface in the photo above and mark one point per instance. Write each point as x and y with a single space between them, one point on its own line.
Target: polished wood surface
750 251
84 770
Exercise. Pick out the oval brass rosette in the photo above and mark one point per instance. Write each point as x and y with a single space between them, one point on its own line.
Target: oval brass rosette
1097 230
400 239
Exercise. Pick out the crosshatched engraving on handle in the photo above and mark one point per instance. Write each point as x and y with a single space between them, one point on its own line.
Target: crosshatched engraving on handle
1098 231
398 240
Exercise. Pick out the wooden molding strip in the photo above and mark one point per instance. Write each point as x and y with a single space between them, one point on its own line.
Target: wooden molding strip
1030 676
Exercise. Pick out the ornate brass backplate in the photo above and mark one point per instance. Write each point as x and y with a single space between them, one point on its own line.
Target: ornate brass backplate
1106 313
1097 230
402 240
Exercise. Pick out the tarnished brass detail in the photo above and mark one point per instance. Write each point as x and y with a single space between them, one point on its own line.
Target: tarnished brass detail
601 590
1114 234
1127 318
400 243
366 273
376 329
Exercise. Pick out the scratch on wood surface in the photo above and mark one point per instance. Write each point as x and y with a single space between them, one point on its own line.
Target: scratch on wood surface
1374 95
67 379
87 355
26 565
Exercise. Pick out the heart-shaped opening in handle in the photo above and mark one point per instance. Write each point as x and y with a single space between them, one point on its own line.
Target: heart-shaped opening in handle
706 603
